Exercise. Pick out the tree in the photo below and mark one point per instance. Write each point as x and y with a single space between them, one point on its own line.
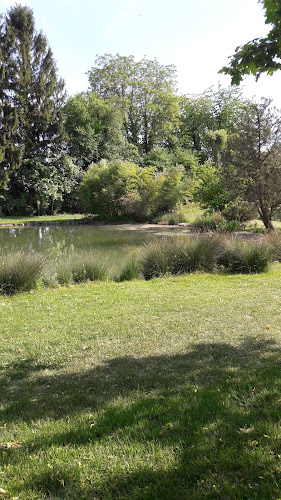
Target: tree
261 55
145 93
205 121
253 161
31 96
94 128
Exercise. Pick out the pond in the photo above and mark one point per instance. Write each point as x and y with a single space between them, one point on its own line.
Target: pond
111 242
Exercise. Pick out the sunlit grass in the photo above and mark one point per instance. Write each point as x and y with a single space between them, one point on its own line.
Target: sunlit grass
41 218
143 390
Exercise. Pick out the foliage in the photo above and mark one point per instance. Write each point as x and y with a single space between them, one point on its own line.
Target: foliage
33 136
207 119
261 55
180 255
239 210
161 158
130 271
94 129
20 271
210 222
145 93
122 189
208 187
252 163
79 268
245 257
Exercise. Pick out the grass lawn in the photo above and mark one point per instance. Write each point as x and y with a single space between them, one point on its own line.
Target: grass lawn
41 218
168 389
259 224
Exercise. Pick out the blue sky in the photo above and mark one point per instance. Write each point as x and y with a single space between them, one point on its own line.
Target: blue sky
195 35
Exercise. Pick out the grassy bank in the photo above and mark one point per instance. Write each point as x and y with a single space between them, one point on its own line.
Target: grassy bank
42 218
143 390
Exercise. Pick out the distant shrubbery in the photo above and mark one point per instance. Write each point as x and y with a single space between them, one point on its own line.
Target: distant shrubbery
217 222
123 190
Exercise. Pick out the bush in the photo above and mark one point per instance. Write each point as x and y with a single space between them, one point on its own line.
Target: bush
240 210
20 271
212 222
245 257
122 190
217 222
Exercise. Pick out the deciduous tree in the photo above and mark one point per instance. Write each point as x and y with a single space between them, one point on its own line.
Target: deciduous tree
253 162
261 55
145 92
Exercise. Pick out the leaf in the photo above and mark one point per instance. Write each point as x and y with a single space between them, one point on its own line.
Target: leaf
246 430
10 444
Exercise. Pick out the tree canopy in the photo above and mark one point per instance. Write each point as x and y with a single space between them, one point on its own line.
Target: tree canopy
32 131
261 55
145 92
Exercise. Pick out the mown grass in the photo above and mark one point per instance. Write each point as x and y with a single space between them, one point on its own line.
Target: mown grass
143 390
41 218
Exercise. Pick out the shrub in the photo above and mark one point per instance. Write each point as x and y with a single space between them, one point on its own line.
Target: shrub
209 222
239 210
122 190
159 257
245 257
231 226
20 271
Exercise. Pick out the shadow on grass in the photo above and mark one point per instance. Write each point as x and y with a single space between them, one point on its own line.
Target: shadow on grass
215 410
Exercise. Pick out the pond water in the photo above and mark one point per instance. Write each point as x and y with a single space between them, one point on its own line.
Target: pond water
109 241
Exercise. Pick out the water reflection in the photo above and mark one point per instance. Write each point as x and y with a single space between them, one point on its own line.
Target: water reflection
58 240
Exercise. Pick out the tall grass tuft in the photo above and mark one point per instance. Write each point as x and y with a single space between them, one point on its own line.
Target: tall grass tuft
274 240
245 257
79 268
159 257
131 270
20 271
180 255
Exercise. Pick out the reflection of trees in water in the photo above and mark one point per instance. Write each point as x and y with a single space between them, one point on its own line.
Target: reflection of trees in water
57 240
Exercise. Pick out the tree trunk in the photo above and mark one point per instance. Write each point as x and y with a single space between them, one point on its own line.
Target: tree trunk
266 218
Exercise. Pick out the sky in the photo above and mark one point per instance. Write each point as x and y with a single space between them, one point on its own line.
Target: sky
197 36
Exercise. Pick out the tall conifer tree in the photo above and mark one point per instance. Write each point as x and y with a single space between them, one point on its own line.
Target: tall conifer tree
31 96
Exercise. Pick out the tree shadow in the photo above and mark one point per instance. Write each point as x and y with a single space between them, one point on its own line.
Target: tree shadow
214 406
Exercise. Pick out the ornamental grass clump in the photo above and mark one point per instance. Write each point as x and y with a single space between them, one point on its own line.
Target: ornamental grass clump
130 271
274 240
159 257
180 256
20 271
245 257
79 268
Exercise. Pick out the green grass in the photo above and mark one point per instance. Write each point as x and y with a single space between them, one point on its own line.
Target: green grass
143 390
41 218
259 224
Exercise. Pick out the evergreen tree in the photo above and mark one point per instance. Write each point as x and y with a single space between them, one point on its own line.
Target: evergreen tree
31 97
